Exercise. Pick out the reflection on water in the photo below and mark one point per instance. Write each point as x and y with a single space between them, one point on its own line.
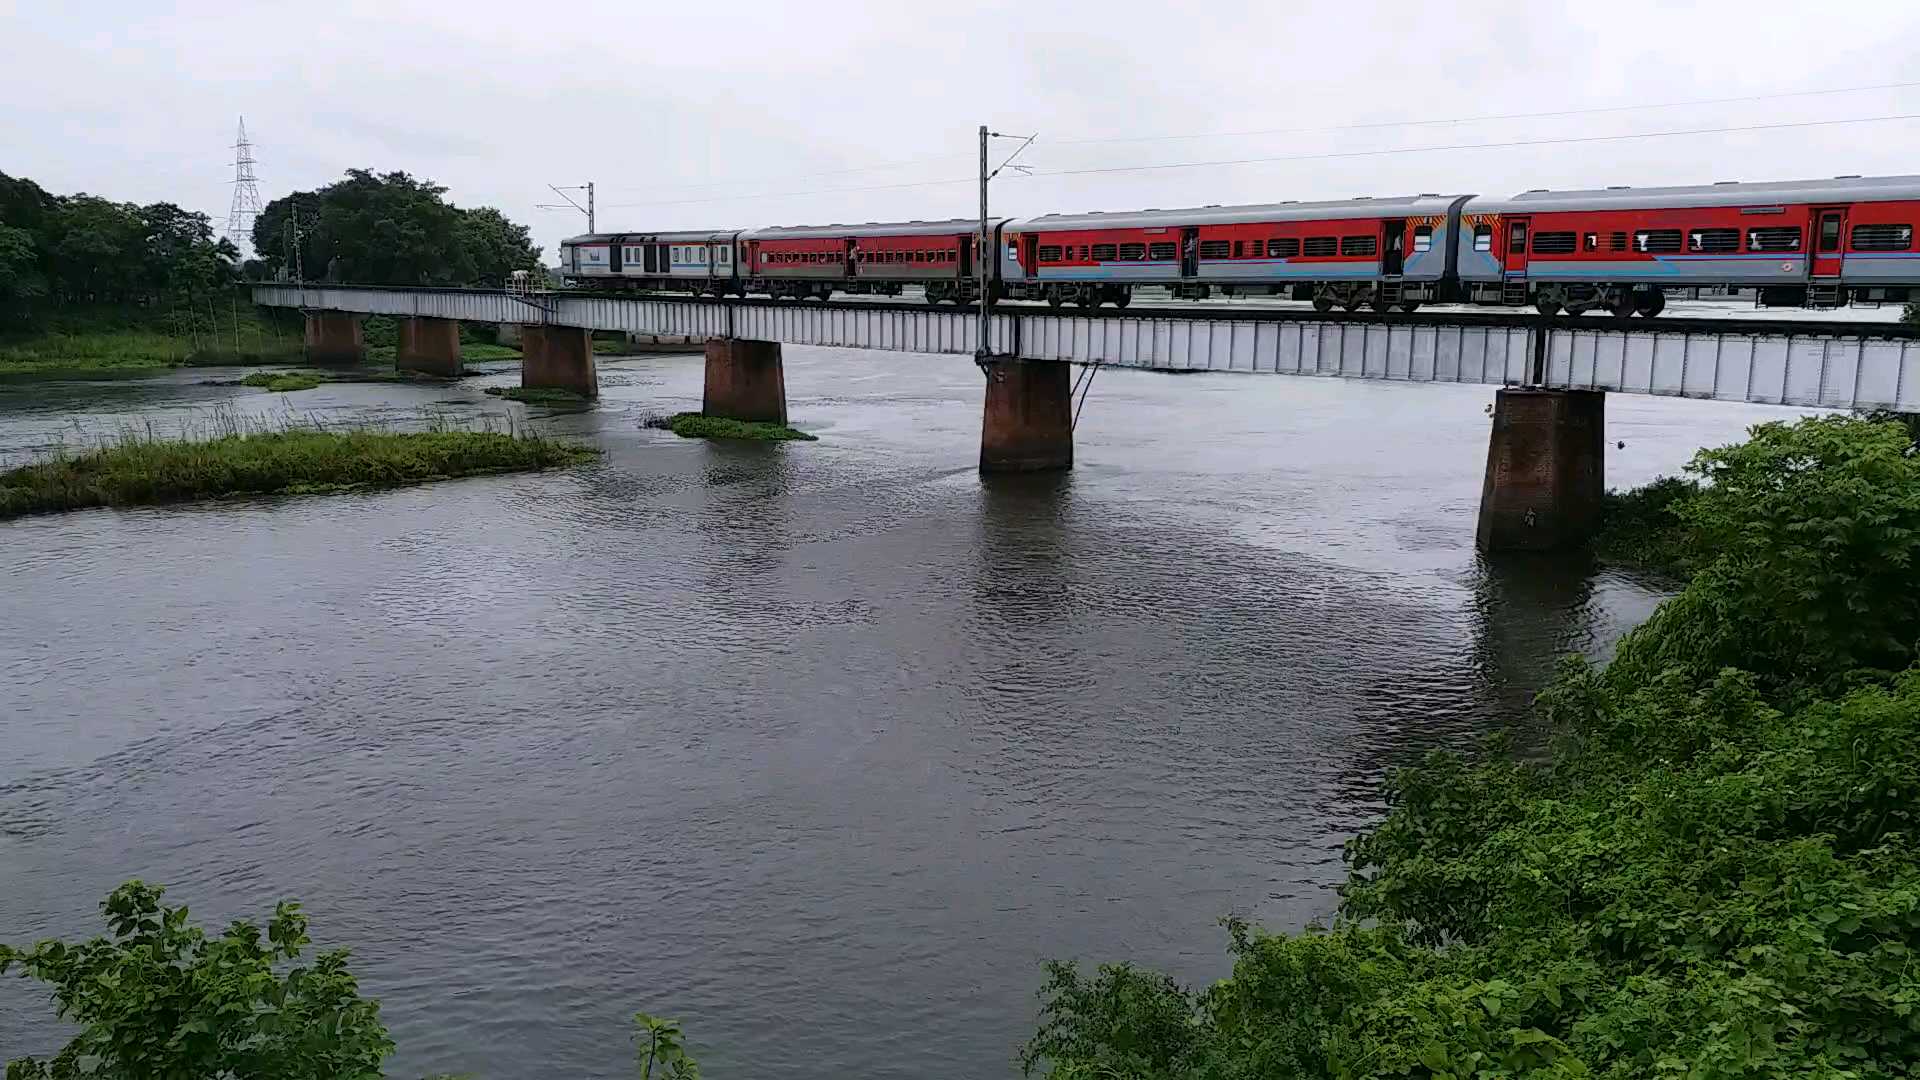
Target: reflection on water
821 748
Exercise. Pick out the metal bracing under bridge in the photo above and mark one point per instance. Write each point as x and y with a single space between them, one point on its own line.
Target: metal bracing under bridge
1835 365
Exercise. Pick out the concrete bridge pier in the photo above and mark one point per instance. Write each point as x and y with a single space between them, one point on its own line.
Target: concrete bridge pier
430 346
1027 425
745 381
560 357
335 337
1546 473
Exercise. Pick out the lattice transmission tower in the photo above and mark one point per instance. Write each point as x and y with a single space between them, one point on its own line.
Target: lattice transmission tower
246 194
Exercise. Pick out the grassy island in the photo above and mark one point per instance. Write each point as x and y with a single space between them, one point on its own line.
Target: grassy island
284 382
139 470
693 425
537 395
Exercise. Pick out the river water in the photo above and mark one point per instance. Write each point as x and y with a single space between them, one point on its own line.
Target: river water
821 748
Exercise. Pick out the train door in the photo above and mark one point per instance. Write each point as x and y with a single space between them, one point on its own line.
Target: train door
1030 254
1516 253
851 257
1190 252
649 258
1393 244
1829 235
614 253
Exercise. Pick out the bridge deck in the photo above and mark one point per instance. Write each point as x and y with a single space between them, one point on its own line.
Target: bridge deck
1835 365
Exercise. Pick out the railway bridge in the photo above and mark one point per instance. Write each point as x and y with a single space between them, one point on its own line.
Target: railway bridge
1545 455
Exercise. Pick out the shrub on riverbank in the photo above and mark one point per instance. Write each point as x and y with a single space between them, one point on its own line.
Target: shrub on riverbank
142 470
1715 876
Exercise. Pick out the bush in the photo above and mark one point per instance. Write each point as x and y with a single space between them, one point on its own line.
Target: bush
1715 876
162 999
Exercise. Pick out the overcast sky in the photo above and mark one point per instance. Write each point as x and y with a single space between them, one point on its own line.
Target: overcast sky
676 111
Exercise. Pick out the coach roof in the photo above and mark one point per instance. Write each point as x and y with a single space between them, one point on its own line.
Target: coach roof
1840 189
1390 206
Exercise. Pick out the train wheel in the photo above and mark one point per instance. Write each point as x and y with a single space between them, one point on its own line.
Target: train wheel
1409 306
1547 307
1352 302
1652 304
1322 302
1620 306
1123 298
1054 299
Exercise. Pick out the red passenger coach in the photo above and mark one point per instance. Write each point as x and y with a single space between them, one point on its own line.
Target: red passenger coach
876 258
1817 243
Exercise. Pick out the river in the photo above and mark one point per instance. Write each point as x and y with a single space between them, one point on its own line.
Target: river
820 748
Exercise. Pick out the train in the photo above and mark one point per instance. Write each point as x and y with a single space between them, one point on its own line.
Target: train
1801 243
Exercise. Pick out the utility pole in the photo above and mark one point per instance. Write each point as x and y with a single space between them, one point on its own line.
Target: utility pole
562 192
989 251
986 251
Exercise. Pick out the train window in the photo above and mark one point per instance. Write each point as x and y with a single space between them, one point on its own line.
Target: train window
1104 252
1359 245
1591 242
1161 252
1882 237
1517 236
1215 249
1618 242
1773 239
1830 233
1050 253
1133 251
1553 243
1657 241
1239 249
1713 240
1083 253
1320 246
1423 238
1285 247
1483 238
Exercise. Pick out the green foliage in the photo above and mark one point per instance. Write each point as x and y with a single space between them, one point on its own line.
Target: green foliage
86 249
693 425
161 999
1643 527
140 469
284 381
537 395
660 1043
389 229
1715 877
1813 530
81 341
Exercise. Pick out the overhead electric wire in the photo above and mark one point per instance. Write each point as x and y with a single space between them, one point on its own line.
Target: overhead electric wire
1562 141
1589 111
1565 140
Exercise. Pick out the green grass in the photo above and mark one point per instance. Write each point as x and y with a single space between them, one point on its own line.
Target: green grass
127 341
537 395
139 469
489 352
693 425
284 381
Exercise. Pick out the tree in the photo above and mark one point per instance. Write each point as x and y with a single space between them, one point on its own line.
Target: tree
496 246
162 1000
20 277
390 229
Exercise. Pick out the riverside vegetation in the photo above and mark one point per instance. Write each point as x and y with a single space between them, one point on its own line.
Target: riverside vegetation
235 458
693 425
1715 876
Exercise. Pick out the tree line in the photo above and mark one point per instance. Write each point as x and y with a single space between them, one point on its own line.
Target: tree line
60 251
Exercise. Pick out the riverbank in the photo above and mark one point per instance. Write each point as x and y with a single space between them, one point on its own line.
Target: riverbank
138 470
1715 874
131 341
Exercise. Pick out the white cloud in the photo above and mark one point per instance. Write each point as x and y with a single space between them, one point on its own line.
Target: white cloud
662 105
